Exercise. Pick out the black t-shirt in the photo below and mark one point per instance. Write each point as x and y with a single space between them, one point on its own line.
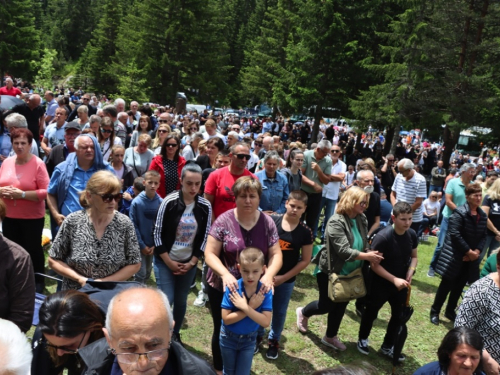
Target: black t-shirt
291 243
32 116
396 250
494 214
373 209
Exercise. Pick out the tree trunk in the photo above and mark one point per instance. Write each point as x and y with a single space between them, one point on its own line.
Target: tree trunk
389 135
395 139
317 118
450 139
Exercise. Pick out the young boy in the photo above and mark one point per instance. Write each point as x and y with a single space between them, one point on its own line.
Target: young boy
130 194
143 214
294 237
390 278
242 314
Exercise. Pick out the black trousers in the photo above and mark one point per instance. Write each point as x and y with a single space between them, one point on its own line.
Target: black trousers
453 287
379 295
313 211
325 305
215 298
27 233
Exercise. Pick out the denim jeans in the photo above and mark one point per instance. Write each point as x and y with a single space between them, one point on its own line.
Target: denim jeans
442 235
435 188
281 298
237 351
144 273
329 205
176 287
490 245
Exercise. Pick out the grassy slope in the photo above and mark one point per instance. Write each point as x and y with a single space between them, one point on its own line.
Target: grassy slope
303 354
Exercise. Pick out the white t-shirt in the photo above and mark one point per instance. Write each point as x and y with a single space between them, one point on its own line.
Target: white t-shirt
431 207
119 172
331 190
186 230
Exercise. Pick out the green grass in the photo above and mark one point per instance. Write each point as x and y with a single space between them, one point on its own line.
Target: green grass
304 354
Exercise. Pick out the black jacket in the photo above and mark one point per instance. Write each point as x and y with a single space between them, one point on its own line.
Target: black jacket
464 233
99 360
168 218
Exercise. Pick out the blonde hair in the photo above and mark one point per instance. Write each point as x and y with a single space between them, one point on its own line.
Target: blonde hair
350 198
102 182
144 138
494 190
156 141
251 255
202 146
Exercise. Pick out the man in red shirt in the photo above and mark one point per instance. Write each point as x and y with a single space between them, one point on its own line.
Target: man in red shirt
218 188
9 88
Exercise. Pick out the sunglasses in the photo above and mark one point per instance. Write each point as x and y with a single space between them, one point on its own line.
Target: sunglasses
106 131
162 121
171 145
243 156
195 129
162 131
335 151
64 349
257 144
107 198
85 98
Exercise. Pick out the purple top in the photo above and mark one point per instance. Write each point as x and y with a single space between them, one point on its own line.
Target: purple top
234 238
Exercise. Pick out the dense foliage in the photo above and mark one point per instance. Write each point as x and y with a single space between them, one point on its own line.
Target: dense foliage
392 63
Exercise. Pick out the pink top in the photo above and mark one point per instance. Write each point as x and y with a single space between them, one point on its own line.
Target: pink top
30 176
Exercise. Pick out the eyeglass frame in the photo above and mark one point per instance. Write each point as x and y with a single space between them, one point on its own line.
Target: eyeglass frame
138 355
68 351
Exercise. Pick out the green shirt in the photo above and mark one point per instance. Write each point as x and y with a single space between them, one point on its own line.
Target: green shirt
325 164
456 188
358 245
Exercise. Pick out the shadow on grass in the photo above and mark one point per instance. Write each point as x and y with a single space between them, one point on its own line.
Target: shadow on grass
288 364
298 296
306 279
377 322
423 286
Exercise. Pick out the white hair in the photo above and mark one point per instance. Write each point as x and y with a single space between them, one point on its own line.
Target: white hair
15 350
119 101
406 164
466 166
15 120
362 172
162 295
234 134
78 138
324 144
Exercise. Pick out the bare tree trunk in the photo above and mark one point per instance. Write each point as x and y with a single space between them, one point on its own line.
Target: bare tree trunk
389 135
394 143
450 139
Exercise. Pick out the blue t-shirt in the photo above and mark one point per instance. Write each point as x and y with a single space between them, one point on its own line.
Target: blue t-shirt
245 325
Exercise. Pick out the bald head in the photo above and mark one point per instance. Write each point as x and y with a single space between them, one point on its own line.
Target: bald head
34 101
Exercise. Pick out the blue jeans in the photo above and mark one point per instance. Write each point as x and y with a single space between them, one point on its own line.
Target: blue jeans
237 351
435 188
490 245
281 298
176 287
329 205
144 273
442 235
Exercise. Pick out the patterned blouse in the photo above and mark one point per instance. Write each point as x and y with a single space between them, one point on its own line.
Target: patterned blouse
77 245
480 310
171 175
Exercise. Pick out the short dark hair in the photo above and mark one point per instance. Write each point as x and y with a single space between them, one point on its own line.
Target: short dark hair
298 195
457 336
217 142
139 183
473 188
401 208
223 152
492 173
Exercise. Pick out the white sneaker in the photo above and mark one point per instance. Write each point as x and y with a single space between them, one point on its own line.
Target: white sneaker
201 299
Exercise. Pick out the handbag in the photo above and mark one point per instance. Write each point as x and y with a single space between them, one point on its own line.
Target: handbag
343 288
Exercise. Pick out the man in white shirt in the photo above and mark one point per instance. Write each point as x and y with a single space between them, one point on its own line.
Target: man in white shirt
331 190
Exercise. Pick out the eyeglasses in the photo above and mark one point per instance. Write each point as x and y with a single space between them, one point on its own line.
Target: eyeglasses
162 121
390 159
162 131
363 204
107 198
85 98
131 358
335 151
106 131
66 350
193 129
72 135
171 145
236 129
434 196
257 144
243 156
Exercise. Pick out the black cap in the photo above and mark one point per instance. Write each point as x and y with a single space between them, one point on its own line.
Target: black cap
72 125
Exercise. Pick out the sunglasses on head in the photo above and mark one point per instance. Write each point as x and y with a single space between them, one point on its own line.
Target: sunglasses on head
243 156
106 131
107 198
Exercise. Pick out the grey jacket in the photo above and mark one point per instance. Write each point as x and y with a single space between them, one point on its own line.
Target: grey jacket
339 241
437 178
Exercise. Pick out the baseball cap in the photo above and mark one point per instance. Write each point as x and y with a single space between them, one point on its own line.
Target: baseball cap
72 125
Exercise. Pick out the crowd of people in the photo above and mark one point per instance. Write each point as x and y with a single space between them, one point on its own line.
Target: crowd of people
136 192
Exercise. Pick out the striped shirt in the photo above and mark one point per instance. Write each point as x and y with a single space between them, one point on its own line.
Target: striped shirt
409 191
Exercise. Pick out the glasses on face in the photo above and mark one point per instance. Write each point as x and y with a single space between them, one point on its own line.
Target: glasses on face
162 131
72 135
335 151
257 144
390 159
193 129
162 121
64 349
243 156
131 358
434 196
106 131
236 129
171 145
107 198
85 98
363 204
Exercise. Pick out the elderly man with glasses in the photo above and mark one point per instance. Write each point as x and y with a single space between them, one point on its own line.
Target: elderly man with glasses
138 339
86 102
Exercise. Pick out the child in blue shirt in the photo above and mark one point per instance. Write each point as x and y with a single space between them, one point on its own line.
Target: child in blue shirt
130 194
143 212
243 311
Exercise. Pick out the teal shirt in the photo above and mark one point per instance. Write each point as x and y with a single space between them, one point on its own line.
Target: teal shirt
358 245
456 188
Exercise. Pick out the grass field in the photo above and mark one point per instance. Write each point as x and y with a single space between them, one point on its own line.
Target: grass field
303 354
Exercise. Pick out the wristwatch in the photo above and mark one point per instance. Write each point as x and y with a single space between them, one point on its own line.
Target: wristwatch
23 195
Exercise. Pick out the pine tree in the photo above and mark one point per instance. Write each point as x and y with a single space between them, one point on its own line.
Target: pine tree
19 39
